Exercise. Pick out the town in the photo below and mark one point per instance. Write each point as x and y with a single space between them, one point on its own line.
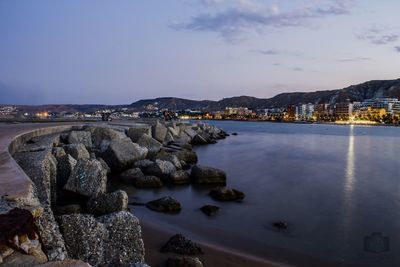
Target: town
369 111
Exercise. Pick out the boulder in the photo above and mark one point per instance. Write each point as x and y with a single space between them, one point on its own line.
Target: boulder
102 136
65 166
165 204
227 194
67 209
143 164
152 145
121 154
184 262
281 225
179 177
66 263
78 151
174 131
110 240
135 133
159 131
169 138
58 152
188 156
80 137
210 210
181 245
108 203
191 133
148 181
199 140
160 168
130 176
162 155
89 178
207 175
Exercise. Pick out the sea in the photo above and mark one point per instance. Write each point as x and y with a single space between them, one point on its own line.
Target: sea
337 188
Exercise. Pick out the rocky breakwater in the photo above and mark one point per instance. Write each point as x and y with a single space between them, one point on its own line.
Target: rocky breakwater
79 218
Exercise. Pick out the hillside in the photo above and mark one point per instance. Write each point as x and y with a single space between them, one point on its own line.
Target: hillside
371 89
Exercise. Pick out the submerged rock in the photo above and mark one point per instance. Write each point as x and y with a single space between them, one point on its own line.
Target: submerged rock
184 262
227 194
179 177
165 204
210 210
207 175
280 225
181 245
108 203
148 181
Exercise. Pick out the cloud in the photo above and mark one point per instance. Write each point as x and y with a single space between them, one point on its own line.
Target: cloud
269 52
298 69
247 15
378 35
355 59
211 2
397 49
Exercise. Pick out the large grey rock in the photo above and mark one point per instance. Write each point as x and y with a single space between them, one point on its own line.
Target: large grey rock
58 152
108 203
130 176
181 245
80 137
78 151
184 262
165 204
162 155
179 177
110 240
207 175
152 145
160 168
135 133
65 166
159 131
191 133
188 156
143 164
89 178
148 181
199 140
227 194
121 154
103 136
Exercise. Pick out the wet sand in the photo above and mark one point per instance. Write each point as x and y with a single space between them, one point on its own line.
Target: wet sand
154 238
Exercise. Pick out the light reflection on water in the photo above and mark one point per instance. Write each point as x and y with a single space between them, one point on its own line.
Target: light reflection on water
333 184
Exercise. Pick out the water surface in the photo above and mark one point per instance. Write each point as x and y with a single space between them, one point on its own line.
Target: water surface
334 185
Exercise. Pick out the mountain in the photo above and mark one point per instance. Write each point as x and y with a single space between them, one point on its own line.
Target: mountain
360 92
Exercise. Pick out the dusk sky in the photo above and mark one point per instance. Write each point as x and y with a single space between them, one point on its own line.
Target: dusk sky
117 52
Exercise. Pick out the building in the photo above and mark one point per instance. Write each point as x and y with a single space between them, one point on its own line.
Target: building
305 112
343 111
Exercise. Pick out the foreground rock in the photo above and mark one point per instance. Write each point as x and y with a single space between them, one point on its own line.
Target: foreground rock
130 176
148 181
80 137
108 203
184 262
152 145
187 156
207 175
160 168
226 194
179 177
89 178
181 245
135 133
110 240
165 204
78 151
121 154
159 132
210 210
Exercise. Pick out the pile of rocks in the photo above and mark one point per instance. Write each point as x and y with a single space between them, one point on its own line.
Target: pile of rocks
81 218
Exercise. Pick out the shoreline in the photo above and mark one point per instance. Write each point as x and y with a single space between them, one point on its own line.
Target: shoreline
154 238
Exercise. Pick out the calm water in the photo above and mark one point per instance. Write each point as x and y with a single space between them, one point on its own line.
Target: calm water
334 185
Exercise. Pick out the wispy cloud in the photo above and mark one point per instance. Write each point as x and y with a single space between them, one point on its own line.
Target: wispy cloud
247 15
269 52
397 49
298 69
378 35
355 59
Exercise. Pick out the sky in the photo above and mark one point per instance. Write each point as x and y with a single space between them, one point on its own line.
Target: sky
117 52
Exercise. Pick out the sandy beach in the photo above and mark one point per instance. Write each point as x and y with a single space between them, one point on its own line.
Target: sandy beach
154 238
